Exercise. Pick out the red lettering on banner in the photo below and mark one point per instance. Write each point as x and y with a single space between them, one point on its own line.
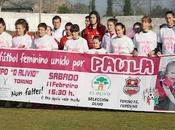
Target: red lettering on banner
62 85
96 64
109 64
23 81
63 76
29 73
123 66
147 66
3 71
32 58
8 57
132 65
25 73
60 61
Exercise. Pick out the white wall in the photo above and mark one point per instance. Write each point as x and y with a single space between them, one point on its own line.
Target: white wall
33 19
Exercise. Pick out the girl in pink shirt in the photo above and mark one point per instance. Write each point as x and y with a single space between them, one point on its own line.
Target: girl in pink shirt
122 44
109 35
145 41
5 38
43 41
21 39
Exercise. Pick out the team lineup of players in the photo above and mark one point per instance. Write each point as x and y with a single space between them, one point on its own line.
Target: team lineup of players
99 39
95 38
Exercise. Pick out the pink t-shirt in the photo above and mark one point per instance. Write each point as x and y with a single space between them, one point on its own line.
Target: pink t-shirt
167 38
122 46
45 43
145 42
22 41
5 40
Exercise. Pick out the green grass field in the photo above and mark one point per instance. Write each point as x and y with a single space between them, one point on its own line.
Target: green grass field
83 119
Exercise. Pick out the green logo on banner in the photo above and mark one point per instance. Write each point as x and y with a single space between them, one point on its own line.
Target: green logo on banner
101 83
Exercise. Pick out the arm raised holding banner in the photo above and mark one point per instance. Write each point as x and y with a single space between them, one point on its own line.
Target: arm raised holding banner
166 89
167 85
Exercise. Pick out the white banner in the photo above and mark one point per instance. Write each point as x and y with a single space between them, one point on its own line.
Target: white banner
83 80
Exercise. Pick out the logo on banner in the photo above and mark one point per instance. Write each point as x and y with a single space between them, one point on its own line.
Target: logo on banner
3 81
4 90
132 86
150 95
101 83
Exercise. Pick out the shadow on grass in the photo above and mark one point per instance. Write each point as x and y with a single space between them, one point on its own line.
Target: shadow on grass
68 108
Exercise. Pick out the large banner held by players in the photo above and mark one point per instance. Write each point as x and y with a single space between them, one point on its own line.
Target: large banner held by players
87 80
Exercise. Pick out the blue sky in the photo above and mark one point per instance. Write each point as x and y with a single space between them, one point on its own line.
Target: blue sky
100 5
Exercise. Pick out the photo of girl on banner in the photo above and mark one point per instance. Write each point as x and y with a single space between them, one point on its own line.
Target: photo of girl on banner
165 86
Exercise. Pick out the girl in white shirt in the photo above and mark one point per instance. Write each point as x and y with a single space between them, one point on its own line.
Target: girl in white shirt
77 43
22 39
145 41
166 38
122 44
43 40
5 38
109 35
97 46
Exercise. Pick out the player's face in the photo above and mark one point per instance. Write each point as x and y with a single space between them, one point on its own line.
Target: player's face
20 30
93 19
49 31
2 28
146 25
170 19
75 35
119 31
171 74
87 22
111 26
96 43
67 29
41 31
56 23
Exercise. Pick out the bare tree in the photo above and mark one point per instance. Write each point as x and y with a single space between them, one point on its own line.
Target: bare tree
109 10
136 4
1 4
119 4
